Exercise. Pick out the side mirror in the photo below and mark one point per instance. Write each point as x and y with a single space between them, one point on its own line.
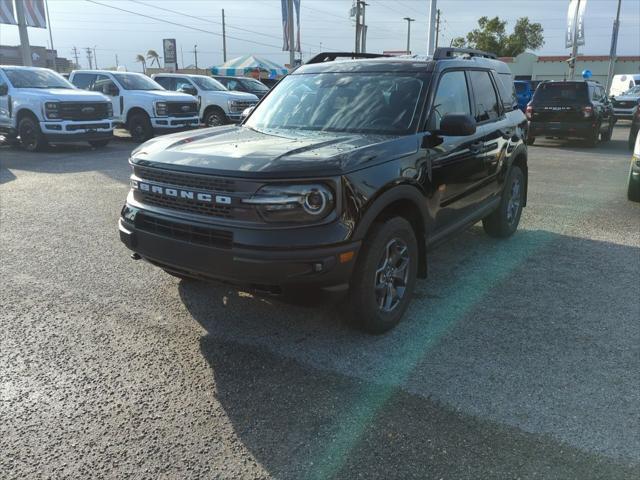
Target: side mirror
4 89
189 90
457 125
246 112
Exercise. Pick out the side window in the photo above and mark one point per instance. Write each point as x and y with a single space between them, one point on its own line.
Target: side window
166 82
452 96
4 87
223 81
103 84
486 102
182 83
508 90
84 80
233 85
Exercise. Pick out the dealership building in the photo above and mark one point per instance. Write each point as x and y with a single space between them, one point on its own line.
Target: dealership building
528 66
40 57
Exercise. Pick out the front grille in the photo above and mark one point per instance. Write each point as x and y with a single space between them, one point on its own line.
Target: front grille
177 109
239 107
84 111
87 126
185 232
190 180
623 104
200 208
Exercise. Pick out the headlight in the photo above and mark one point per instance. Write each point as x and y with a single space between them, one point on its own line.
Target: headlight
52 110
109 110
293 203
161 109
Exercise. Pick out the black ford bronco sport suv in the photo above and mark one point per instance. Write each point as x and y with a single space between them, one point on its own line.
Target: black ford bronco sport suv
342 177
574 109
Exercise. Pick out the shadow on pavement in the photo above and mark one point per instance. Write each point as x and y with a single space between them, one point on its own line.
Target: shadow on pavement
516 359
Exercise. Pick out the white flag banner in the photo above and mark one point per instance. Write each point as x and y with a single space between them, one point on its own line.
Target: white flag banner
580 23
575 23
7 15
285 24
34 13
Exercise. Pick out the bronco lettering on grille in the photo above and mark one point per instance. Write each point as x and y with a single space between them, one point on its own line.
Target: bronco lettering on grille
179 193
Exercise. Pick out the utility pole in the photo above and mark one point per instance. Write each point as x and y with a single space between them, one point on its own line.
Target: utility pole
432 30
25 48
181 56
437 27
55 64
95 57
292 41
195 54
363 30
409 20
224 39
89 57
614 47
574 49
357 26
117 63
75 54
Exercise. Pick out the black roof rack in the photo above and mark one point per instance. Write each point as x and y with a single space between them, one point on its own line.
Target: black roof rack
331 56
443 53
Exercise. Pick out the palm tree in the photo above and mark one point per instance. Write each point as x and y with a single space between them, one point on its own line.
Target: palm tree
141 59
154 57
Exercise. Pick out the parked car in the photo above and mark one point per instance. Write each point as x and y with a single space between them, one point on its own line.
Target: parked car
633 188
623 82
342 178
218 106
141 105
635 127
243 84
570 109
39 106
524 92
626 104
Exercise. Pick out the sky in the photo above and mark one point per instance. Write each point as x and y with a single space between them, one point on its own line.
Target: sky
254 27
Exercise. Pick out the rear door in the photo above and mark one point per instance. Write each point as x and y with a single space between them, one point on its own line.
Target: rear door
560 102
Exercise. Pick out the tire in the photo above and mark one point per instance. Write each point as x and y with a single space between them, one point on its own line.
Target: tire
531 140
592 140
384 277
30 134
139 127
503 222
215 118
99 143
606 136
633 189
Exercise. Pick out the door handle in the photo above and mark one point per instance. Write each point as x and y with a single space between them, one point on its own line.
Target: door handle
476 147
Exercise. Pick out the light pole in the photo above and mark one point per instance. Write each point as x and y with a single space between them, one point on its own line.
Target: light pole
409 20
432 28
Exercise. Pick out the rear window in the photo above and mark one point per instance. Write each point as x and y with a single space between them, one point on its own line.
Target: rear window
562 92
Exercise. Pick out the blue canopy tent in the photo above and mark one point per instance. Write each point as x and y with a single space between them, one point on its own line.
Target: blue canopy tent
242 66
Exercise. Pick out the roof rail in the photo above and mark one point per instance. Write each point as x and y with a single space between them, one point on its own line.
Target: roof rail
331 56
442 53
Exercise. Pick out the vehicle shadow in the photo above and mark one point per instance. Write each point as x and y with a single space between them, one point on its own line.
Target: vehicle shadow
111 160
486 378
618 145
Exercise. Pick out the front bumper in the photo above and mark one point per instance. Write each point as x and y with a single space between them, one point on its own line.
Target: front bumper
624 112
75 131
205 251
174 123
561 129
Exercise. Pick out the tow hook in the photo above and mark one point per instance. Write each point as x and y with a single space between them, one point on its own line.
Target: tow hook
135 256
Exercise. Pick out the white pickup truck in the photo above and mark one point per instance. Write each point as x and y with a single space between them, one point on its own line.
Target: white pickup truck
141 105
218 106
40 106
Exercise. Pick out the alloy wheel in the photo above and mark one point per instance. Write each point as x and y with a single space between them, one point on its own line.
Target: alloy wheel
392 275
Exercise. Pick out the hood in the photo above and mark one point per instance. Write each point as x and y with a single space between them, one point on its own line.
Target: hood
243 152
229 95
64 95
167 95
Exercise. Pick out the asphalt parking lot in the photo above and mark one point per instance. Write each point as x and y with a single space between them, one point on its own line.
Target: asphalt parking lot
517 358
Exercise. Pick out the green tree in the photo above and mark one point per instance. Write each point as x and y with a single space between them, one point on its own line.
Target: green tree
154 57
141 59
491 36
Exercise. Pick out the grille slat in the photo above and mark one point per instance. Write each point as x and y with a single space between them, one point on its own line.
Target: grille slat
174 109
185 232
202 208
74 110
191 180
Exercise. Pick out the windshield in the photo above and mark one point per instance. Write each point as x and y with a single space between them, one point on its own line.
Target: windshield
562 92
25 78
136 81
633 91
342 102
255 85
209 84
